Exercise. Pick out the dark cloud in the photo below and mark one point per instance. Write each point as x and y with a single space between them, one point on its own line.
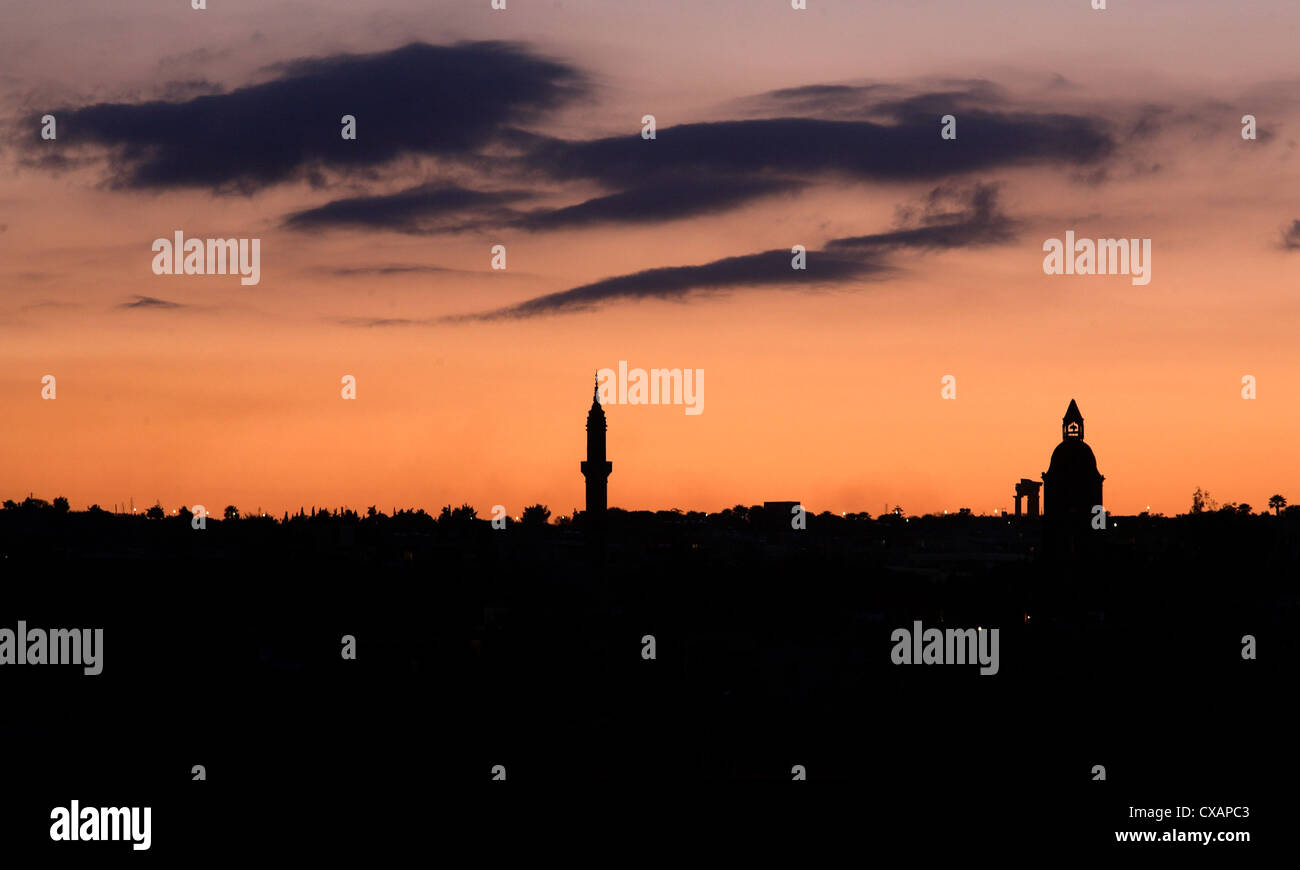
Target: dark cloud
949 217
820 92
821 100
925 100
395 269
436 208
802 147
668 199
766 269
419 99
379 322
976 220
469 100
427 208
184 90
1291 237
970 101
150 302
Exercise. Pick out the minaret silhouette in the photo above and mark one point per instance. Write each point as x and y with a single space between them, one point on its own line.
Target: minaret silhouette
596 469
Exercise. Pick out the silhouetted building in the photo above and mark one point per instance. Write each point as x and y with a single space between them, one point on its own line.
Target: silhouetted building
1028 489
596 469
1071 484
779 516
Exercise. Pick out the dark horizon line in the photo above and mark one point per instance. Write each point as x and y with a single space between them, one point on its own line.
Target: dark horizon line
31 503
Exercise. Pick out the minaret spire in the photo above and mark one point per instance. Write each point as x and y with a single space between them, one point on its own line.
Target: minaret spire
595 468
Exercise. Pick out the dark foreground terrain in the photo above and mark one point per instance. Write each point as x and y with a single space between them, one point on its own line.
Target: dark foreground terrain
524 647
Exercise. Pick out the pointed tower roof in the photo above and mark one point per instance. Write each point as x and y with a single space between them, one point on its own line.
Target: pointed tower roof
596 416
1072 423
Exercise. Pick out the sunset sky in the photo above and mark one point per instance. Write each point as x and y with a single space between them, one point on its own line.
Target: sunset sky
775 128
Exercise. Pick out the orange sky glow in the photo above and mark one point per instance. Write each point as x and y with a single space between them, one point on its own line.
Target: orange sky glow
829 395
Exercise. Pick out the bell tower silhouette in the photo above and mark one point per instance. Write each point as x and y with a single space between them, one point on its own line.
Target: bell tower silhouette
1072 484
595 468
1072 422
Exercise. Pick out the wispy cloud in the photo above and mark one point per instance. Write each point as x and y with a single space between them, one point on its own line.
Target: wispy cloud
1291 236
48 303
976 220
393 269
150 302
425 208
668 199
380 322
765 269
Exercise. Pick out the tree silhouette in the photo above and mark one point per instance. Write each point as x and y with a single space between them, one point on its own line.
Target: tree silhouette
232 512
1199 501
60 504
462 514
1244 509
536 515
1277 502
155 513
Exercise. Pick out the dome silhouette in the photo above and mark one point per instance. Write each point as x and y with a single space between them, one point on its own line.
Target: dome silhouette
1073 457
